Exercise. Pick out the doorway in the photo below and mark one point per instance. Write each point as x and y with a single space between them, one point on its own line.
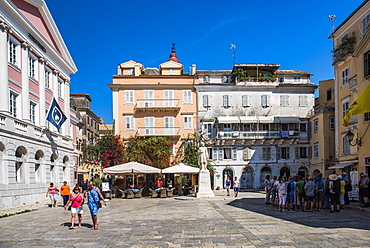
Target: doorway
246 181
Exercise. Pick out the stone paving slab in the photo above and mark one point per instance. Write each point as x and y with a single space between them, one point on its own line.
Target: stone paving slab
166 222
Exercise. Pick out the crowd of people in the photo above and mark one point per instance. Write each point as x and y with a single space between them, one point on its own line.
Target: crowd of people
314 194
74 200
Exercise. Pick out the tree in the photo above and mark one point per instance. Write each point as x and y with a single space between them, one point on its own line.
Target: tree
111 150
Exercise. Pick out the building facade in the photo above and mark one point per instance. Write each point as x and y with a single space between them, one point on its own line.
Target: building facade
351 61
35 66
87 135
256 118
154 102
322 131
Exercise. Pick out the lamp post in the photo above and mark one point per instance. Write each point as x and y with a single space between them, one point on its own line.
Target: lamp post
350 137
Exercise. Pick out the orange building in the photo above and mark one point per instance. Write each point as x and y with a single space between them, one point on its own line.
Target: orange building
155 102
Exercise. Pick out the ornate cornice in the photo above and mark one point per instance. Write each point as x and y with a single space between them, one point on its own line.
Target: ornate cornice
4 27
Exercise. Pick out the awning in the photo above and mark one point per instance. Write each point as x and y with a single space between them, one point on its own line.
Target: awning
228 119
340 166
81 171
248 119
264 119
286 120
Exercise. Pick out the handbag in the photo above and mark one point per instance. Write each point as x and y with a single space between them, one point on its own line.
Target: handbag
98 203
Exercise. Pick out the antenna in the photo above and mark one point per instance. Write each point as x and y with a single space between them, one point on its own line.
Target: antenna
233 47
332 19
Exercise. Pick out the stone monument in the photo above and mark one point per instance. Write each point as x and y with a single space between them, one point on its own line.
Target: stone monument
204 180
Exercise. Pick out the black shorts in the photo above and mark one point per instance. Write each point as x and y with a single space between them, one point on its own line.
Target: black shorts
309 198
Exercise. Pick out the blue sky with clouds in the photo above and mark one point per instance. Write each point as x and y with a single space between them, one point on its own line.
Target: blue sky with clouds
102 34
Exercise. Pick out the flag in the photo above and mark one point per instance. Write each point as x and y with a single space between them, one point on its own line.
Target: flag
360 106
55 115
332 18
232 46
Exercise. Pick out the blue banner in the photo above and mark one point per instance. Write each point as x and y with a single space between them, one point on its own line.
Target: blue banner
56 115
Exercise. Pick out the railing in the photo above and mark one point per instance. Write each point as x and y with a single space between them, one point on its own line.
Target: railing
342 51
158 131
2 120
352 83
21 126
159 104
255 135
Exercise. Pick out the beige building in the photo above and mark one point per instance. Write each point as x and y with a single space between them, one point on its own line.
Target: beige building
351 60
154 102
322 130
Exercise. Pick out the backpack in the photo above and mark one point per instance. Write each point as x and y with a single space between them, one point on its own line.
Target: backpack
318 182
288 187
336 186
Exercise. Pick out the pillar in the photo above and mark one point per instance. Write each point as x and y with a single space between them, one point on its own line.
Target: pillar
4 87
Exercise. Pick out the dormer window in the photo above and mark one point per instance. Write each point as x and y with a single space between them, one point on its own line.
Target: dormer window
206 79
281 79
224 79
130 71
297 79
171 71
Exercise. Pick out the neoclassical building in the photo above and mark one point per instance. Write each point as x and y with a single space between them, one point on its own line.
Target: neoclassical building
256 118
35 66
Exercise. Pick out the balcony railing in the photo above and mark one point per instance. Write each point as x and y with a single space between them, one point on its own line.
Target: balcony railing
342 51
161 105
256 135
352 83
158 131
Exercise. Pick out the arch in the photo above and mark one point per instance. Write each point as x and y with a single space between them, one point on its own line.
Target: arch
53 157
2 147
20 152
39 155
65 160
266 170
315 173
246 180
303 171
285 171
228 173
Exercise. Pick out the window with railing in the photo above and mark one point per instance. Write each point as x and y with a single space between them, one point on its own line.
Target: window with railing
367 64
13 103
33 112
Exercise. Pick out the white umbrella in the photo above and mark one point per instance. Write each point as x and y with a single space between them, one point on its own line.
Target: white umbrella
181 168
131 167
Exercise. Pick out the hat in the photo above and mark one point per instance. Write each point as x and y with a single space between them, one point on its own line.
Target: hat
333 177
365 174
309 178
340 177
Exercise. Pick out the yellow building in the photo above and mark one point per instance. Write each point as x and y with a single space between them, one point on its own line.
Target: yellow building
155 102
351 60
322 123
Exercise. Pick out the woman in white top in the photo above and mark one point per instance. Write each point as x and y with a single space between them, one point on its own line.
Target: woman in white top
282 192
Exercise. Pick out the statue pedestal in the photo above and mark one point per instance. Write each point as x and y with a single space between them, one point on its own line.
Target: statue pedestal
205 190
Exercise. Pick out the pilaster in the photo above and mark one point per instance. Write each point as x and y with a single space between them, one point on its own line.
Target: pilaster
25 82
42 92
67 109
4 87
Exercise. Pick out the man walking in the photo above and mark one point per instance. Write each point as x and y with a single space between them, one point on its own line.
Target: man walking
236 186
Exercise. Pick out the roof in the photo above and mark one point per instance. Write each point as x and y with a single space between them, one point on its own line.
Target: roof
292 72
81 95
349 17
151 71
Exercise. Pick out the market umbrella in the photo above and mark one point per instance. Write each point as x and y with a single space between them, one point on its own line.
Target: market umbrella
181 168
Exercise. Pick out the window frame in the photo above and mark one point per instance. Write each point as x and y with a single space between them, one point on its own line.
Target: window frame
226 101
316 150
316 125
187 97
265 101
32 66
207 101
331 122
303 101
345 76
246 101
13 49
33 112
129 96
367 64
188 122
284 100
13 103
130 122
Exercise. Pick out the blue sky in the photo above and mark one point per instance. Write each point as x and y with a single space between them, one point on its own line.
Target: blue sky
102 34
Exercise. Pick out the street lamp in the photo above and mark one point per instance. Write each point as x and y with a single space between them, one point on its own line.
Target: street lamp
350 136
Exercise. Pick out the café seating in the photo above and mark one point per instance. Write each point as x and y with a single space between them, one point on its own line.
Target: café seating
139 194
153 193
163 193
170 193
123 193
130 194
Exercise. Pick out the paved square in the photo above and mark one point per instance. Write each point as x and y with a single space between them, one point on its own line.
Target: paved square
221 222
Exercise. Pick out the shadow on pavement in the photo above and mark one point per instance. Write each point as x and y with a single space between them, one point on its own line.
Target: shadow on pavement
68 224
320 219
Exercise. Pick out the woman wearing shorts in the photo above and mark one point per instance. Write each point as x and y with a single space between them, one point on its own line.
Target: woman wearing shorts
282 192
52 193
76 198
227 186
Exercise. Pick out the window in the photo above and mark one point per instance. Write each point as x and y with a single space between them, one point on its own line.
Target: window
281 79
148 98
188 125
246 100
303 152
33 112
47 124
346 146
332 123
303 101
206 79
168 125
52 172
303 127
345 107
47 79
129 97
266 153
297 79
247 153
221 154
37 173
345 76
316 125
13 52
207 101
226 101
284 101
224 79
265 100
149 124
329 94
235 154
227 153
18 172
186 97
130 71
171 71
168 96
285 152
87 103
263 127
32 67
130 123
214 153
365 21
367 64
60 84
367 116
13 104
316 150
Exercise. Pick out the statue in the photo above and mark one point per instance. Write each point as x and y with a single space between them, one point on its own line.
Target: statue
203 156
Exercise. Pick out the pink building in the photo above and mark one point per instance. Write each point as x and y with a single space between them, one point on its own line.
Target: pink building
35 66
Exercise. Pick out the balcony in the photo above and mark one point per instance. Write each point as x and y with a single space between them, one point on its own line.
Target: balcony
344 49
353 83
158 131
256 135
157 105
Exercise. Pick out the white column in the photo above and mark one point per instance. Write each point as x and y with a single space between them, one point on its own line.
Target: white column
115 111
25 83
42 92
67 109
54 87
4 87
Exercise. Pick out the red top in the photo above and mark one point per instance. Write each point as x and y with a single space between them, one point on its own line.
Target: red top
76 201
